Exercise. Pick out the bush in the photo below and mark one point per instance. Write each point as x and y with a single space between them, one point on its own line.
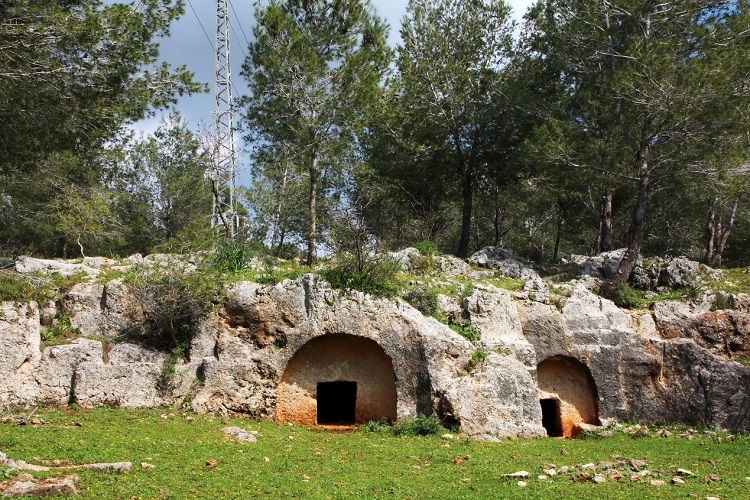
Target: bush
420 426
231 256
423 299
627 296
427 248
378 276
466 330
172 300
476 357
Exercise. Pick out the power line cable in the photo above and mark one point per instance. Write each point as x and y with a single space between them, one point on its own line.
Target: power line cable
236 17
201 25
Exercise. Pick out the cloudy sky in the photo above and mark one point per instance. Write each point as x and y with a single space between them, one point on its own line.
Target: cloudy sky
191 44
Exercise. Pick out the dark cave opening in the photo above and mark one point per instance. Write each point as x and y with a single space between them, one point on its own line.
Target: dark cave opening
551 417
337 402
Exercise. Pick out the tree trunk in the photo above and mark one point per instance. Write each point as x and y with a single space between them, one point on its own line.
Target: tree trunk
718 234
605 222
558 232
630 259
467 188
312 248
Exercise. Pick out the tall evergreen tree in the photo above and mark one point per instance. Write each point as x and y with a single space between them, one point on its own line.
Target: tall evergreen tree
313 69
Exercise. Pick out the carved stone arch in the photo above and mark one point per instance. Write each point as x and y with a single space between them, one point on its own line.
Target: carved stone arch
568 396
337 379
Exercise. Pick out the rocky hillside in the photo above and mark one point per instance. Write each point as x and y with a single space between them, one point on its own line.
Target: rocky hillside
493 345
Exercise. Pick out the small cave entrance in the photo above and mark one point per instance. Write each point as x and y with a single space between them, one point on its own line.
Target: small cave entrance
551 418
567 395
337 379
337 403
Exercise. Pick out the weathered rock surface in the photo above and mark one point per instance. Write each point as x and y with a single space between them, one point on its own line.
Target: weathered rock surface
263 351
30 265
504 261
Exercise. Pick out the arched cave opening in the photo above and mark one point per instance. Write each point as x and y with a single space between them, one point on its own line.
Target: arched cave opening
567 395
337 379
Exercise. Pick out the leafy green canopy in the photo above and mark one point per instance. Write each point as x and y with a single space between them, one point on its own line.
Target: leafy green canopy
72 75
313 71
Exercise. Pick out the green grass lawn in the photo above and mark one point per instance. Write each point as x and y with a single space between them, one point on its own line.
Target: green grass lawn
296 462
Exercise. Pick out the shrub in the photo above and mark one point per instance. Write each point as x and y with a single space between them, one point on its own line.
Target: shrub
627 296
172 300
476 357
427 248
722 301
420 426
231 256
466 330
377 276
424 299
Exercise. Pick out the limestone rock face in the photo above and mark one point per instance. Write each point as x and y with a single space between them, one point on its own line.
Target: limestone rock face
100 310
19 352
499 398
290 351
506 262
26 264
725 333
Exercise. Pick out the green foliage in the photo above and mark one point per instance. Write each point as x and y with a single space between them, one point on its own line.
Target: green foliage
377 276
628 297
317 464
424 299
420 426
170 363
232 256
722 301
173 298
276 272
476 357
465 329
74 75
36 286
61 332
427 248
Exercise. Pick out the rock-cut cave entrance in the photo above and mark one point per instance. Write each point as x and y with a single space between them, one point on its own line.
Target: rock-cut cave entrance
337 403
337 379
551 417
567 395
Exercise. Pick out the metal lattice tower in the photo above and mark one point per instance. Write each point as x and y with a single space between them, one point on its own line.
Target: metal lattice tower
224 169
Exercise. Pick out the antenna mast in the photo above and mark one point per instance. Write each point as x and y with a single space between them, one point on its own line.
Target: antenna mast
223 175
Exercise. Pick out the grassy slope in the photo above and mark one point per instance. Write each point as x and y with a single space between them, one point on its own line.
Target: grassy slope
314 464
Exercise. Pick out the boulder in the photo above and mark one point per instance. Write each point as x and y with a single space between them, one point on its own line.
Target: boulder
499 398
504 261
682 272
26 264
20 353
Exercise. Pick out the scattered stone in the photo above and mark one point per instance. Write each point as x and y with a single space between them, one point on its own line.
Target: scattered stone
211 463
712 478
637 464
613 474
239 434
713 498
266 459
588 466
582 478
644 473
447 436
521 484
458 460
678 480
564 452
541 477
606 434
550 472
684 472
564 469
50 487
657 482
146 465
518 475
